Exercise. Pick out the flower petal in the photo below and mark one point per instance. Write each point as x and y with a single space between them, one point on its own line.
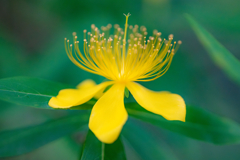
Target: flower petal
67 98
88 83
170 106
109 114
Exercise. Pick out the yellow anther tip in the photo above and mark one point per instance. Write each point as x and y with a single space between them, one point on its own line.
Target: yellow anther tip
93 26
109 26
170 36
127 14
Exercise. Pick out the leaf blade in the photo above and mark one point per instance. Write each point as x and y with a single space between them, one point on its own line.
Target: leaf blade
29 91
219 54
34 92
144 138
93 149
200 125
24 140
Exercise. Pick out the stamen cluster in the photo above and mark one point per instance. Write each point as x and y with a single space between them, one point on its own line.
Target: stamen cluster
123 56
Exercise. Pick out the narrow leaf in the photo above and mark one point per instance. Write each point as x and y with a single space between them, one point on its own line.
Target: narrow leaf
24 140
27 91
126 92
107 88
95 150
33 92
199 124
146 145
220 55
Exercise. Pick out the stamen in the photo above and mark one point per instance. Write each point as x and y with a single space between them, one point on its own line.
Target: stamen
110 56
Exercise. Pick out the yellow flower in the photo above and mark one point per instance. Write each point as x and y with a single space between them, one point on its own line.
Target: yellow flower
121 63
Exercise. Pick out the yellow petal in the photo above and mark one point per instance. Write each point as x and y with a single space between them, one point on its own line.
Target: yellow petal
67 98
88 83
170 106
109 114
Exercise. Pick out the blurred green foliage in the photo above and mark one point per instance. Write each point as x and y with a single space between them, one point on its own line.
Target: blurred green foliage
31 44
24 140
220 55
95 149
139 144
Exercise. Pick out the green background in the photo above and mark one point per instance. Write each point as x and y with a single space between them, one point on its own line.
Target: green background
31 44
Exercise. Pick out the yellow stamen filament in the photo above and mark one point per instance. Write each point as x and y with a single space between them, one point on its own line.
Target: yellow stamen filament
124 56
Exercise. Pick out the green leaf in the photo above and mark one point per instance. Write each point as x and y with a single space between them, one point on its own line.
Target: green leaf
126 92
107 88
28 91
34 92
199 124
24 140
145 144
95 150
219 54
